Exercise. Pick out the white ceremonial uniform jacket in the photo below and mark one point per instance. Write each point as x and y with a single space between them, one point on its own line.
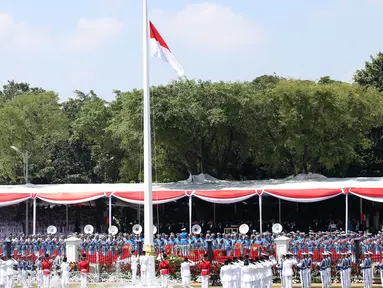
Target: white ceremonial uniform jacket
287 269
225 274
143 263
185 269
246 274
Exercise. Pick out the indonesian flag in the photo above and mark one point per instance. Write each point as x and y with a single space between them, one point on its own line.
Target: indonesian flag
160 49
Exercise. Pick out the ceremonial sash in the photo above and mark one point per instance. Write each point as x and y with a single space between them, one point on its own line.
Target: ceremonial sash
46 271
164 271
204 272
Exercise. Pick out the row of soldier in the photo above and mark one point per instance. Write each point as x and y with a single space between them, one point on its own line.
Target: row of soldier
182 243
41 272
247 273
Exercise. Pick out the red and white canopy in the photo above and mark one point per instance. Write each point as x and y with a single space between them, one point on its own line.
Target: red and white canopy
222 192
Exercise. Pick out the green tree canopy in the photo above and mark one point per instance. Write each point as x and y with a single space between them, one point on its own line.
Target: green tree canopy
372 74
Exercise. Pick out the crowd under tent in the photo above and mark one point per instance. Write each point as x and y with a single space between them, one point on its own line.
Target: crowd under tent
300 189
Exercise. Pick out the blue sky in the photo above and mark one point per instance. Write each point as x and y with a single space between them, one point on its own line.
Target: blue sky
96 44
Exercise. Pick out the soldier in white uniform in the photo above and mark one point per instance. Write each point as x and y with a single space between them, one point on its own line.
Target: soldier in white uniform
185 273
10 272
287 270
369 268
65 268
269 272
322 270
328 269
134 262
143 268
309 266
365 265
280 268
2 273
342 267
246 275
302 265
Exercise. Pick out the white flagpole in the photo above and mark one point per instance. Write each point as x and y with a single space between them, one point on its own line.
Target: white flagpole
148 206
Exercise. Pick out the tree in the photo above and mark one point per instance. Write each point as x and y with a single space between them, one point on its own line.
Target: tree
71 163
13 89
201 126
313 127
372 74
328 80
32 124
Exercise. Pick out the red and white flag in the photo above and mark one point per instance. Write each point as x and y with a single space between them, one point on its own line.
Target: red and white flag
160 49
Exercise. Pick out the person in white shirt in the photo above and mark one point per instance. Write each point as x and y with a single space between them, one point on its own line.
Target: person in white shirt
9 273
143 268
246 275
185 273
302 270
225 275
287 270
134 262
2 273
39 272
65 268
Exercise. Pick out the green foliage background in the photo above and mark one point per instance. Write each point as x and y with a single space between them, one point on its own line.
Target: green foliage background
271 127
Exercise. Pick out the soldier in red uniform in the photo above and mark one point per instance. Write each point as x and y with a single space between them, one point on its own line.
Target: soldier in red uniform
46 266
83 266
163 268
205 267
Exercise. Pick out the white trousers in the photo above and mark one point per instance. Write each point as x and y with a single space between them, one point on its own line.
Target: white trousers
343 278
367 279
9 283
186 281
205 281
328 274
84 280
143 278
65 280
302 278
23 279
46 281
164 281
247 284
39 278
288 281
134 274
323 278
308 277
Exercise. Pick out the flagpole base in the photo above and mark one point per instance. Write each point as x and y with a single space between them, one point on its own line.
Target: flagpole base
149 250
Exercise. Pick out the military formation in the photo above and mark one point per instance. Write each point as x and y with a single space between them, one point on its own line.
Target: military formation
248 273
248 258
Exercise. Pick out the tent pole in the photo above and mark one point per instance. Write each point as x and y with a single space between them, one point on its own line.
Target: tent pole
34 216
280 211
214 214
346 222
190 214
26 218
260 214
361 210
139 214
110 211
67 218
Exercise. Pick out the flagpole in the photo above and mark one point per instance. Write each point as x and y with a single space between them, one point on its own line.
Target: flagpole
148 206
